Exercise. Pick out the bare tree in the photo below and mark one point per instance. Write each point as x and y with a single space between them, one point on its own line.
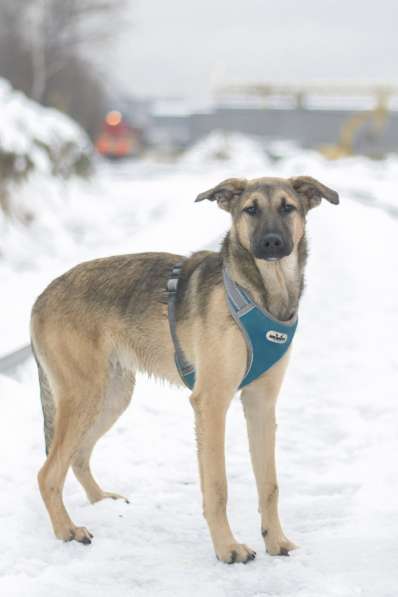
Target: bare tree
15 62
63 29
44 45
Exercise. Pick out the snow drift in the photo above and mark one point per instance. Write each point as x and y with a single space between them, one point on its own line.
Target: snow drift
38 140
226 148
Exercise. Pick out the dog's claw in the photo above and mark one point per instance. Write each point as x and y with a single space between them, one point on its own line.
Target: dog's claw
108 494
80 534
250 557
233 557
235 553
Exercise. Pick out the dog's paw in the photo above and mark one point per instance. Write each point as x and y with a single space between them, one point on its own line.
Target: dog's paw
103 495
235 552
278 546
80 534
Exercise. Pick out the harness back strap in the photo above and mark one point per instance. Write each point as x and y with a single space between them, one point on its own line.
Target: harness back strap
267 339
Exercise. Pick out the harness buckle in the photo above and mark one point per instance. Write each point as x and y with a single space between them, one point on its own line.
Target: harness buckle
172 282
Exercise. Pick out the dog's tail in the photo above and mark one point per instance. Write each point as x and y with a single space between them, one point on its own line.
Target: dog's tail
47 403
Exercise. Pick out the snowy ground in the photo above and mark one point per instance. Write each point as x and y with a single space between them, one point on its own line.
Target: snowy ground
338 411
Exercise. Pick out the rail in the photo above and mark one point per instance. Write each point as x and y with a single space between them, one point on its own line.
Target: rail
11 361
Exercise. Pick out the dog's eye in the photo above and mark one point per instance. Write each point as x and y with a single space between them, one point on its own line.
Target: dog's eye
287 208
252 210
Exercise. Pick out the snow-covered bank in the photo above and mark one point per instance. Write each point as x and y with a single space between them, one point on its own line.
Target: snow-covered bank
37 141
337 430
45 138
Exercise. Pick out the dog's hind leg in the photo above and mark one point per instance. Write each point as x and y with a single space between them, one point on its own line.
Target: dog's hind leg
117 397
70 426
78 374
259 401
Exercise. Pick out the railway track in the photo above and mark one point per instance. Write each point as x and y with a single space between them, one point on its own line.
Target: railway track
10 362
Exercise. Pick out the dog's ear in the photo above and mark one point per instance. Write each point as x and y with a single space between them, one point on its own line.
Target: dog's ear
225 193
312 191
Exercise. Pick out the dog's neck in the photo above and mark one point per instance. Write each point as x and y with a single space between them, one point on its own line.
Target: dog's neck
277 286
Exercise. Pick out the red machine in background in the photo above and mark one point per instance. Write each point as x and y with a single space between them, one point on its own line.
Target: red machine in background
117 138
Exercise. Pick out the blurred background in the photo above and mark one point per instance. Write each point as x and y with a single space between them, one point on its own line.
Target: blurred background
114 115
146 75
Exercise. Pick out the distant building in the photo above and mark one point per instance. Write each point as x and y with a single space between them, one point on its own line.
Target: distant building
313 122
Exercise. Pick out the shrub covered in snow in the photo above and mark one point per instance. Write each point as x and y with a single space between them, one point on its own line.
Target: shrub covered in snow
37 139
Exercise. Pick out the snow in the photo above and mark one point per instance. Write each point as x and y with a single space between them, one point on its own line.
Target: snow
337 414
240 153
28 128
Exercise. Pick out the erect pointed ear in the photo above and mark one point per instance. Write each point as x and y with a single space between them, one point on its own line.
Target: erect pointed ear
312 191
225 193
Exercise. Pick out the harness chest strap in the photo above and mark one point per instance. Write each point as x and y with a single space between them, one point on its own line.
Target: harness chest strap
267 339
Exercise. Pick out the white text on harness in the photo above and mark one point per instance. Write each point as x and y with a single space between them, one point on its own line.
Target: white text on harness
277 337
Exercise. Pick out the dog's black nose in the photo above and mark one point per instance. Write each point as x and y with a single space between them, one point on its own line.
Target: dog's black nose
273 246
272 241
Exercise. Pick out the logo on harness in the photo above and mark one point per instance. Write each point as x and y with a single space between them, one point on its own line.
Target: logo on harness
277 337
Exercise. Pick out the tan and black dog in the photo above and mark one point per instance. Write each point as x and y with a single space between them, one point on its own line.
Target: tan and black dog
99 324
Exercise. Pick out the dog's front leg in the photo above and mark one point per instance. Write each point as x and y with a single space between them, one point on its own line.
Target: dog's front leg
259 401
210 413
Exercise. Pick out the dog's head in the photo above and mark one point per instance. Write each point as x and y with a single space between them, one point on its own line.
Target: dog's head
269 213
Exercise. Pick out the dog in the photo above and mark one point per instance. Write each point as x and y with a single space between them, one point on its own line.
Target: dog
97 325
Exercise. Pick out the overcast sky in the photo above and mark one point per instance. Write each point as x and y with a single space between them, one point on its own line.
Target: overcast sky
187 47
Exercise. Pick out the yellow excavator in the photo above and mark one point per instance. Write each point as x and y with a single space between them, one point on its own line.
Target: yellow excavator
374 120
377 119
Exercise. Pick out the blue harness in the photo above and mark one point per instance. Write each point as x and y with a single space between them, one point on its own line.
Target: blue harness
267 339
